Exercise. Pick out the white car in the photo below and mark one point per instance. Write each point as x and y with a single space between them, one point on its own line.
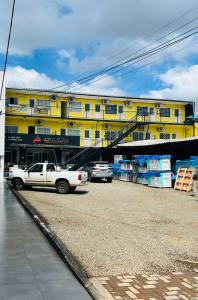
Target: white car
47 174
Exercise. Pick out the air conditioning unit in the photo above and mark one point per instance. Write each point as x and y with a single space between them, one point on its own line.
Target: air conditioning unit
160 129
105 101
71 99
106 126
158 105
39 122
128 103
53 97
71 124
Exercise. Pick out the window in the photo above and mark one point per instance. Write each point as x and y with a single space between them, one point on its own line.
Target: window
36 168
138 136
87 107
75 106
74 132
62 131
174 136
97 107
45 103
120 109
87 134
165 112
42 130
12 101
97 134
142 111
165 136
11 129
148 135
177 112
110 135
111 109
50 167
151 111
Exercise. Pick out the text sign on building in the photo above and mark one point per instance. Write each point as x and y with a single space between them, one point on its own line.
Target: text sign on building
43 139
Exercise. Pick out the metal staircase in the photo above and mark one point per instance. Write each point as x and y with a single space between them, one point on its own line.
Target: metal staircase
88 154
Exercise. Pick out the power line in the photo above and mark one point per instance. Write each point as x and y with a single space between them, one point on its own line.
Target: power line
135 69
178 28
146 54
89 77
7 50
105 70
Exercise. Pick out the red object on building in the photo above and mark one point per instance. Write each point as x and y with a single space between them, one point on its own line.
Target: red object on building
37 140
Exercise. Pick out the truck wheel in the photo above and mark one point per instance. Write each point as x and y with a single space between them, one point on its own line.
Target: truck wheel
72 189
109 179
18 184
62 187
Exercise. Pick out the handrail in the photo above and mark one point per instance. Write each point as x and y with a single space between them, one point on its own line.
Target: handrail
54 111
132 121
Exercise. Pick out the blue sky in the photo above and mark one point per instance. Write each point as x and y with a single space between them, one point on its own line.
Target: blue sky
55 41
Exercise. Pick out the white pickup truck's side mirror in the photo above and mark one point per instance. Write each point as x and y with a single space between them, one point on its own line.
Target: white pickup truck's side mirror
58 168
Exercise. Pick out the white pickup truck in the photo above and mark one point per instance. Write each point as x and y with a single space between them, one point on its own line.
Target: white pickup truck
47 174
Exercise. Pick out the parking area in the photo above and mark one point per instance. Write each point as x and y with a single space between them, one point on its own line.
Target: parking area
123 228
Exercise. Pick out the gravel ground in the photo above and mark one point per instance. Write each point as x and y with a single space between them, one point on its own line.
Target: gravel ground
122 227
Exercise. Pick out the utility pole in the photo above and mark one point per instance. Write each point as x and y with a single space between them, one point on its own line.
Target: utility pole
2 130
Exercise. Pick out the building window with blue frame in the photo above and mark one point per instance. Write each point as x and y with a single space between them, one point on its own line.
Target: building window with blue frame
110 109
165 136
87 134
142 111
138 136
165 112
75 107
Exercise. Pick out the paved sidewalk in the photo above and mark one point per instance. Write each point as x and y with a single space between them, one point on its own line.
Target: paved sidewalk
29 266
164 286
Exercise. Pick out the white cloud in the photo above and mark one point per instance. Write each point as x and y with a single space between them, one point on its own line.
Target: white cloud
22 78
179 83
69 24
19 77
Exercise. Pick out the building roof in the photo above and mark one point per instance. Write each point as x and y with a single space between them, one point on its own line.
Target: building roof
48 92
156 142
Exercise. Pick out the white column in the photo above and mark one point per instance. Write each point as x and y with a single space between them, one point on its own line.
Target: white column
2 130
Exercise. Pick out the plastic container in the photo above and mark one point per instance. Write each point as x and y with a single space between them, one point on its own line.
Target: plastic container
159 162
160 179
142 178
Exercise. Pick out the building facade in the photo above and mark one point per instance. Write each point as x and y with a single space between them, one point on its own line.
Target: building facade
48 125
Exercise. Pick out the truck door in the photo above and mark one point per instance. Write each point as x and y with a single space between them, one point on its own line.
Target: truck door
36 175
50 174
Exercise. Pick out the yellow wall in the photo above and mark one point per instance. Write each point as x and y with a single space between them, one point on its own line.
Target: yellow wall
21 119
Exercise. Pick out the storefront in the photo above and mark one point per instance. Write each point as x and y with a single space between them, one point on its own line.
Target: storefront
26 149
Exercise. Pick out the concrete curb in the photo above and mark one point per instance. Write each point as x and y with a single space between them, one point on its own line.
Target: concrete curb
92 285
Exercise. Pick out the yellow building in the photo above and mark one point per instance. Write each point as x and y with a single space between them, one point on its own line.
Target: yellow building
42 124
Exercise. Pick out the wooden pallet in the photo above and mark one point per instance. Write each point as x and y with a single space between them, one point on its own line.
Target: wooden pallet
184 180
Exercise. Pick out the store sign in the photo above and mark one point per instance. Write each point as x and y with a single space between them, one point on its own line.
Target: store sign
43 139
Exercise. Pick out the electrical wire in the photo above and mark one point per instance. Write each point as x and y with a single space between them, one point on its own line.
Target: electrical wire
151 52
7 50
105 70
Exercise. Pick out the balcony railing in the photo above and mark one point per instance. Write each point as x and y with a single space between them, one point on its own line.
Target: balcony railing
82 114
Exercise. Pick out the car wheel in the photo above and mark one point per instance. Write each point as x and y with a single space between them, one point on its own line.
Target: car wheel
18 184
62 187
72 189
109 179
